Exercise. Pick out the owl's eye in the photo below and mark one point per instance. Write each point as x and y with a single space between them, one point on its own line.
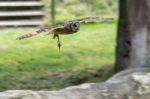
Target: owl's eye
74 25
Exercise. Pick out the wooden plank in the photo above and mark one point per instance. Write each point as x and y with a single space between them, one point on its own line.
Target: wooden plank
21 23
21 13
20 3
17 13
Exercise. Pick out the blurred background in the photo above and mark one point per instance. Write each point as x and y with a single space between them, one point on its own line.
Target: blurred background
35 63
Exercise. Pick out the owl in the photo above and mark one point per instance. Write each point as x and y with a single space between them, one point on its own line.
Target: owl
65 28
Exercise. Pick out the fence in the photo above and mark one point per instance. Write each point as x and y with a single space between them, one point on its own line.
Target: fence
21 12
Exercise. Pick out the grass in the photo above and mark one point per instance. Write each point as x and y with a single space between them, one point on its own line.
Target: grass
36 63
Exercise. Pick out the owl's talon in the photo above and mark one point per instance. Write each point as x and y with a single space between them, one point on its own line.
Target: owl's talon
59 46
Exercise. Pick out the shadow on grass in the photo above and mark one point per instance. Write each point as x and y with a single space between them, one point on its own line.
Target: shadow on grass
64 79
90 75
59 80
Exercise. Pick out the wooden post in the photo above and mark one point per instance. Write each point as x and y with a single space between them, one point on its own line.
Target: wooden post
53 11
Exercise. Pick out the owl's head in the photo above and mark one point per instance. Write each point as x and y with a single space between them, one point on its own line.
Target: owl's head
73 26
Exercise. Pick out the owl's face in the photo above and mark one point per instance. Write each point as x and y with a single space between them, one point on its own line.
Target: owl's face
73 26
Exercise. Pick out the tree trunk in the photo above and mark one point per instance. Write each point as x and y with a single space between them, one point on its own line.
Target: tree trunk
131 50
148 35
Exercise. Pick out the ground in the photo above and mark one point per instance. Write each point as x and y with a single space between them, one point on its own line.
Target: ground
35 63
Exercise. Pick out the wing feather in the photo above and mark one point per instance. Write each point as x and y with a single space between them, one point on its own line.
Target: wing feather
43 30
94 19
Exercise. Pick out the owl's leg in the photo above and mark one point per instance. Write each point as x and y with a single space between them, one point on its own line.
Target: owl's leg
54 36
58 42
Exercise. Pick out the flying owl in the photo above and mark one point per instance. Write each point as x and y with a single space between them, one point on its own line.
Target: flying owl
65 28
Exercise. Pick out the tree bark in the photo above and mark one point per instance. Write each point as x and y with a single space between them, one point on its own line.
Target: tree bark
148 35
131 50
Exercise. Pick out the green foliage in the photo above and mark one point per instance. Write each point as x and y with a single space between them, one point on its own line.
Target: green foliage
37 64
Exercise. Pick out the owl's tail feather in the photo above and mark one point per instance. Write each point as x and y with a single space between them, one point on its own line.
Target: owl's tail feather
31 34
26 36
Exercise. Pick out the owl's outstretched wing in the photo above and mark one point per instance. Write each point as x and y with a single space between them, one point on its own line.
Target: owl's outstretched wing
49 30
94 19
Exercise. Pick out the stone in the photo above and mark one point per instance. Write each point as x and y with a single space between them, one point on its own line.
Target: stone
128 84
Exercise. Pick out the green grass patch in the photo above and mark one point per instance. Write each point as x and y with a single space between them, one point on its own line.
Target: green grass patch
36 63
